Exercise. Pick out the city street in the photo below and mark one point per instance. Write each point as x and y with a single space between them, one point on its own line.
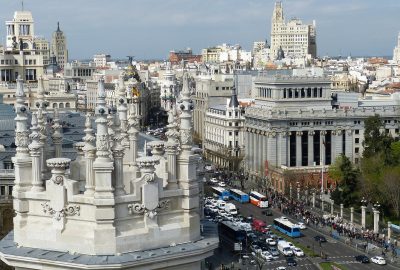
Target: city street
336 251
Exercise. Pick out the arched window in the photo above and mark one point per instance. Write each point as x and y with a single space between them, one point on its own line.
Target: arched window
61 105
55 105
67 105
303 94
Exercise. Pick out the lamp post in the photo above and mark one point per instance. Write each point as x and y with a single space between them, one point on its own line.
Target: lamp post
298 190
376 217
363 207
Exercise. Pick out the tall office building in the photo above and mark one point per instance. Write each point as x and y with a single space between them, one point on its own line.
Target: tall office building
59 47
296 39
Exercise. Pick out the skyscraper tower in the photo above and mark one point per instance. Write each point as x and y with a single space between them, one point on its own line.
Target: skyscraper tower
59 47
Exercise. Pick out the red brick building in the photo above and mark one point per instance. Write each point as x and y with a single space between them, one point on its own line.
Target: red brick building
186 55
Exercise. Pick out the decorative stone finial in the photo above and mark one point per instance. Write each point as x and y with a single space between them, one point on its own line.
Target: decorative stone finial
58 167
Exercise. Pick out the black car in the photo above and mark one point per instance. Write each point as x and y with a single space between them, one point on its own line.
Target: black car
362 258
320 238
267 212
291 261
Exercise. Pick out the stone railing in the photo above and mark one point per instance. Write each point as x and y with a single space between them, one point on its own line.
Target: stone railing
7 172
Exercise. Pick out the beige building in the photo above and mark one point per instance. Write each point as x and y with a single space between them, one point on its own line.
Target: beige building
210 90
59 47
24 54
296 39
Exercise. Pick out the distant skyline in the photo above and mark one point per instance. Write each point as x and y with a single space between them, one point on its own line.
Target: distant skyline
150 29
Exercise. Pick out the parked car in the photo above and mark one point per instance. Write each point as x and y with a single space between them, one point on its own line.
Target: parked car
320 238
267 212
274 252
291 261
256 249
362 258
301 225
214 180
270 241
378 260
221 184
281 268
267 256
259 225
298 252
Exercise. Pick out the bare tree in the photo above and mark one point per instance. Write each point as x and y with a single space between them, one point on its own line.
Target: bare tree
391 188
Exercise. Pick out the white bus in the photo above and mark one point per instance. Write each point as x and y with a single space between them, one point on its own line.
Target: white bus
258 199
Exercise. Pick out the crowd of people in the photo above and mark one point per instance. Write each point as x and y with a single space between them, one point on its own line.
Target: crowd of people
337 226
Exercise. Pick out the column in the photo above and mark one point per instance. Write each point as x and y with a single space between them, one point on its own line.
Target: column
311 148
363 208
283 155
265 148
272 148
253 150
313 199
349 144
338 143
351 215
333 146
341 210
298 148
171 148
376 220
322 205
389 231
258 150
322 158
332 204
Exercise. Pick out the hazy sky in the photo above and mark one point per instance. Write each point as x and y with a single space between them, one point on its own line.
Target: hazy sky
149 29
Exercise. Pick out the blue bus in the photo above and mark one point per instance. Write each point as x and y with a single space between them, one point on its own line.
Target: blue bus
239 196
283 225
220 193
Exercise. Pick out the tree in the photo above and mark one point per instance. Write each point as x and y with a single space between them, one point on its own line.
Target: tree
346 176
375 140
391 188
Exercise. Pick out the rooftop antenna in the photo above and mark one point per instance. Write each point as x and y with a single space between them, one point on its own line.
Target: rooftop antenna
22 4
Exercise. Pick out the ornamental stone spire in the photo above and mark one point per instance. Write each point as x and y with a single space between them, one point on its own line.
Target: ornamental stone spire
35 151
57 134
186 108
90 153
21 132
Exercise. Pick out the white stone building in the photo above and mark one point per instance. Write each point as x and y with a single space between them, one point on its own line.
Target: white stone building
224 133
295 124
100 60
296 39
396 51
108 209
210 90
226 53
261 54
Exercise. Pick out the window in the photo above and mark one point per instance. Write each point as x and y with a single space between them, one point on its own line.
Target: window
356 150
217 88
2 190
356 160
236 133
230 124
357 140
236 124
10 189
230 133
356 131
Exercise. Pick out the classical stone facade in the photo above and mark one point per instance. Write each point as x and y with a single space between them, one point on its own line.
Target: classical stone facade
59 47
224 134
297 40
111 209
294 125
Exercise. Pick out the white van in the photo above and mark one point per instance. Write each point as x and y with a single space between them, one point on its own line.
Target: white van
230 208
221 204
285 248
